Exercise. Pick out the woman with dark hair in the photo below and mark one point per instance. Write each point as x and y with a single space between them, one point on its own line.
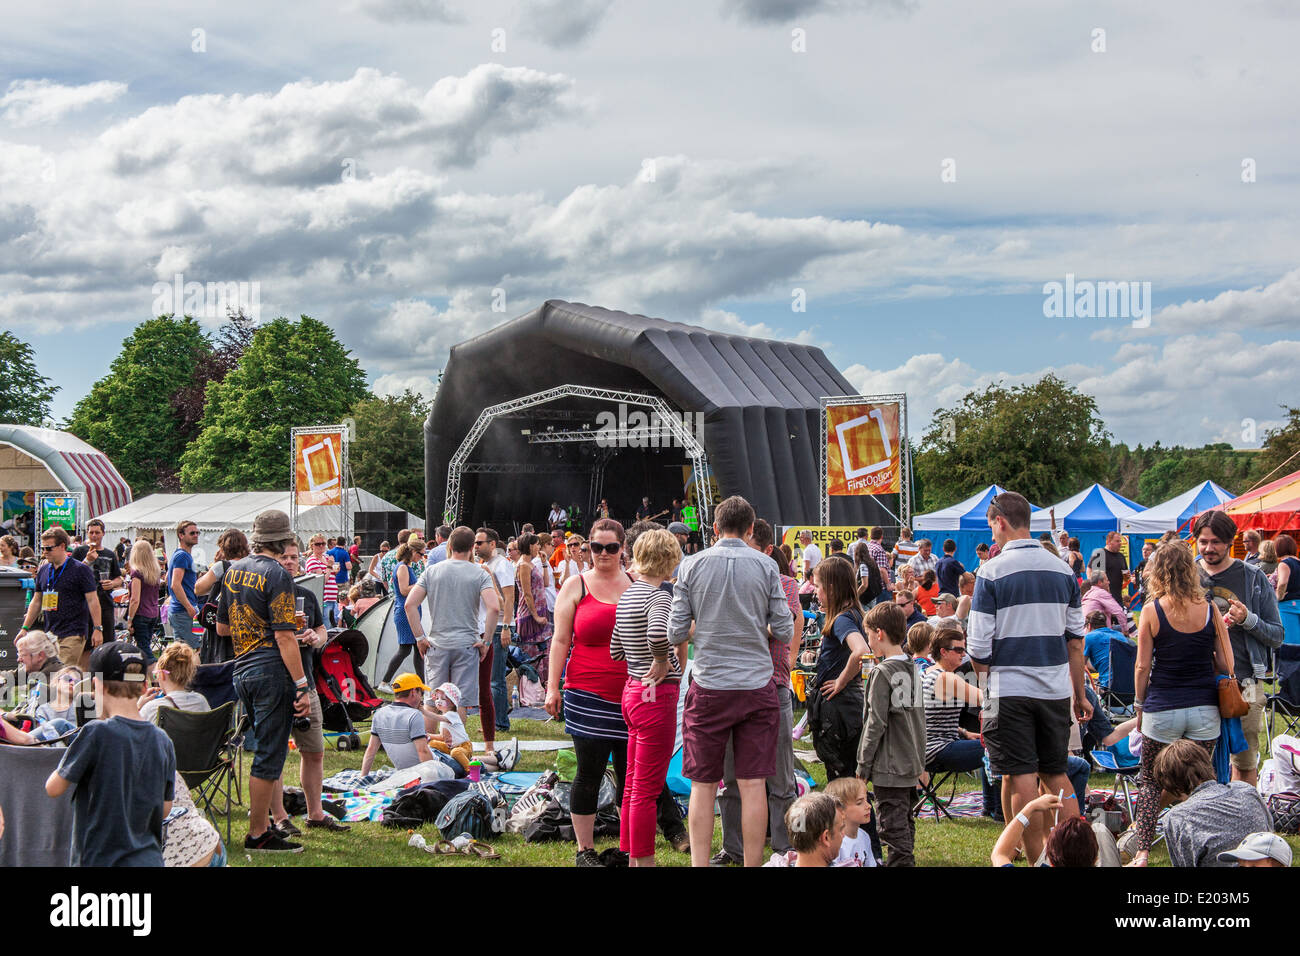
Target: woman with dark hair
404 578
926 592
787 559
835 698
585 615
1074 558
1288 568
1182 647
867 573
1072 842
533 615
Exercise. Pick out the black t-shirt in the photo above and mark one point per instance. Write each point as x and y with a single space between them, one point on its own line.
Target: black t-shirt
1113 565
256 601
105 563
834 653
311 609
1232 584
68 586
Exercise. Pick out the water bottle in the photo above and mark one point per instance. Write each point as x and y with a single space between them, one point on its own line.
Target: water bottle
514 699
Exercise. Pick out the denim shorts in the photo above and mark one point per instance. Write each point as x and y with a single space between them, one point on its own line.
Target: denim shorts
1194 723
266 691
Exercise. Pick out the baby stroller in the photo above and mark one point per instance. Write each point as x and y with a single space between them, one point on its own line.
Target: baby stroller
345 694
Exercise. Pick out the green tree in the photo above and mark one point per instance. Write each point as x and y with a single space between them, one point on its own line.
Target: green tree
1043 440
1281 445
293 374
388 454
25 398
128 414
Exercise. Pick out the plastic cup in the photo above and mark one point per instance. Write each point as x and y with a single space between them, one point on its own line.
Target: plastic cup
475 770
300 604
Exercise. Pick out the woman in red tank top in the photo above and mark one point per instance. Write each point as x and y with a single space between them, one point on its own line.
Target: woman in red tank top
593 681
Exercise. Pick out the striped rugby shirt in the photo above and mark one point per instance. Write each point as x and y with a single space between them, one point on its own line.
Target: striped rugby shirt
1026 605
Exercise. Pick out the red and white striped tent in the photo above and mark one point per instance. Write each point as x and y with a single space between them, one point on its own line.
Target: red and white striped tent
42 459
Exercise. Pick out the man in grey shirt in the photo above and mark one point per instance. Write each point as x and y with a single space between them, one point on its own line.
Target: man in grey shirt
454 589
1208 817
733 595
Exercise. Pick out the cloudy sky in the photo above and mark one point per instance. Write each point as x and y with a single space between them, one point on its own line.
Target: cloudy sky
919 169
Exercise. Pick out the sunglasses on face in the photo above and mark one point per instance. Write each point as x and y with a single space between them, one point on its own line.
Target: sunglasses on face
48 547
612 548
480 542
958 648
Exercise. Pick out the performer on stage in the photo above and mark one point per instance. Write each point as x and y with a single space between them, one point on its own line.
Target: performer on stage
602 510
558 516
644 512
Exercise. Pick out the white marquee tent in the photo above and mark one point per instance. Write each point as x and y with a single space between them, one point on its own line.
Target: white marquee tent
217 511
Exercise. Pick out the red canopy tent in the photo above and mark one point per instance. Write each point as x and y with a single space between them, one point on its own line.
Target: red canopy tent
1275 507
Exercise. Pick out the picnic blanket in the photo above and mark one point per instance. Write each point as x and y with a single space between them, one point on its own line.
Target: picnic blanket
363 805
351 779
535 745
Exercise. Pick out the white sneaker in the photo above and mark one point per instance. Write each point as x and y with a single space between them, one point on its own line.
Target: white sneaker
508 755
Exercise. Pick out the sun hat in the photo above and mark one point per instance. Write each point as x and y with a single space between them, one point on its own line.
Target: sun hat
270 527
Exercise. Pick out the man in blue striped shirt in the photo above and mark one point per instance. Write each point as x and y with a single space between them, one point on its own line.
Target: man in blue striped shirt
1026 634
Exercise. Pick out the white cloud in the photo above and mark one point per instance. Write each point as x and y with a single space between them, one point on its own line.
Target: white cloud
394 384
1275 305
780 11
562 23
41 102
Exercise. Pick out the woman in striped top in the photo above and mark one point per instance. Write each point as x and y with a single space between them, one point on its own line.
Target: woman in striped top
654 673
945 695
593 682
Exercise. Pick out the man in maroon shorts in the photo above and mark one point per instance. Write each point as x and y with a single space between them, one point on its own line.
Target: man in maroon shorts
733 595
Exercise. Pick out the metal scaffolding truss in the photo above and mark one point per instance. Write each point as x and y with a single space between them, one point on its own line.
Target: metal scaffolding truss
650 436
518 468
669 420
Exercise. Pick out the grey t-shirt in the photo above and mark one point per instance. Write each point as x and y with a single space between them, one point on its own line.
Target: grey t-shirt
398 726
1214 818
453 591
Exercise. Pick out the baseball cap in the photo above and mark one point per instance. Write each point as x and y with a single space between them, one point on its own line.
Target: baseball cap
947 597
118 660
676 527
451 692
406 682
1259 846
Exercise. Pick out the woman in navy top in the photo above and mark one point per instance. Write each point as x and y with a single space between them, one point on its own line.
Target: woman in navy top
1182 648
1288 568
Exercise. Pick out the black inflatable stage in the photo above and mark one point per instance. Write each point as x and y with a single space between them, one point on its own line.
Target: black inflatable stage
757 399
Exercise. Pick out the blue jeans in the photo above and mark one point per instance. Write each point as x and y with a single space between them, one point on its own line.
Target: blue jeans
331 612
1079 770
266 691
183 628
143 630
500 694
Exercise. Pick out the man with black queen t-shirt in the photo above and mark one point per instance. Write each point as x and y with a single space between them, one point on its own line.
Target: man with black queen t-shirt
257 611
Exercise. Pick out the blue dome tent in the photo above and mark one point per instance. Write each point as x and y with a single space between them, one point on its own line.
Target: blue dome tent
964 522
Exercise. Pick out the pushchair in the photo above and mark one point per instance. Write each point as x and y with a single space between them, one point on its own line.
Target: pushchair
345 694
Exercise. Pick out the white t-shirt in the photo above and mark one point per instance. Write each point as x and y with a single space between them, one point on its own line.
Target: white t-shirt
812 555
548 575
856 851
504 573
183 700
458 732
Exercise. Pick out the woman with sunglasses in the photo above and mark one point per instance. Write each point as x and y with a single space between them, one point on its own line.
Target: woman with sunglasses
585 615
945 695
404 579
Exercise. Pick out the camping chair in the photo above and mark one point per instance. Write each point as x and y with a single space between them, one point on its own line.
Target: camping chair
1118 701
1285 702
930 793
41 835
206 746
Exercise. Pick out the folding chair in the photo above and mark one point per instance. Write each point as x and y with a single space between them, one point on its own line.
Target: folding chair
42 837
1118 701
206 745
930 793
1285 703
1106 760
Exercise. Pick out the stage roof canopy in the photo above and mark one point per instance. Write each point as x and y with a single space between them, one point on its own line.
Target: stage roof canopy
759 399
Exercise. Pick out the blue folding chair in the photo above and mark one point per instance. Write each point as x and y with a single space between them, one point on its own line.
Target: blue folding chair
1119 698
1285 702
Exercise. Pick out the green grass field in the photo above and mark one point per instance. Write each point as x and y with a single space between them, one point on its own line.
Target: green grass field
960 842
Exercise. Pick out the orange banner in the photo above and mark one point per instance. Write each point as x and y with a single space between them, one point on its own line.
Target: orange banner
862 450
318 468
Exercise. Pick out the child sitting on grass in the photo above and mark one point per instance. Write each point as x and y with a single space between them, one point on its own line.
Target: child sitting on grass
445 725
815 825
855 849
